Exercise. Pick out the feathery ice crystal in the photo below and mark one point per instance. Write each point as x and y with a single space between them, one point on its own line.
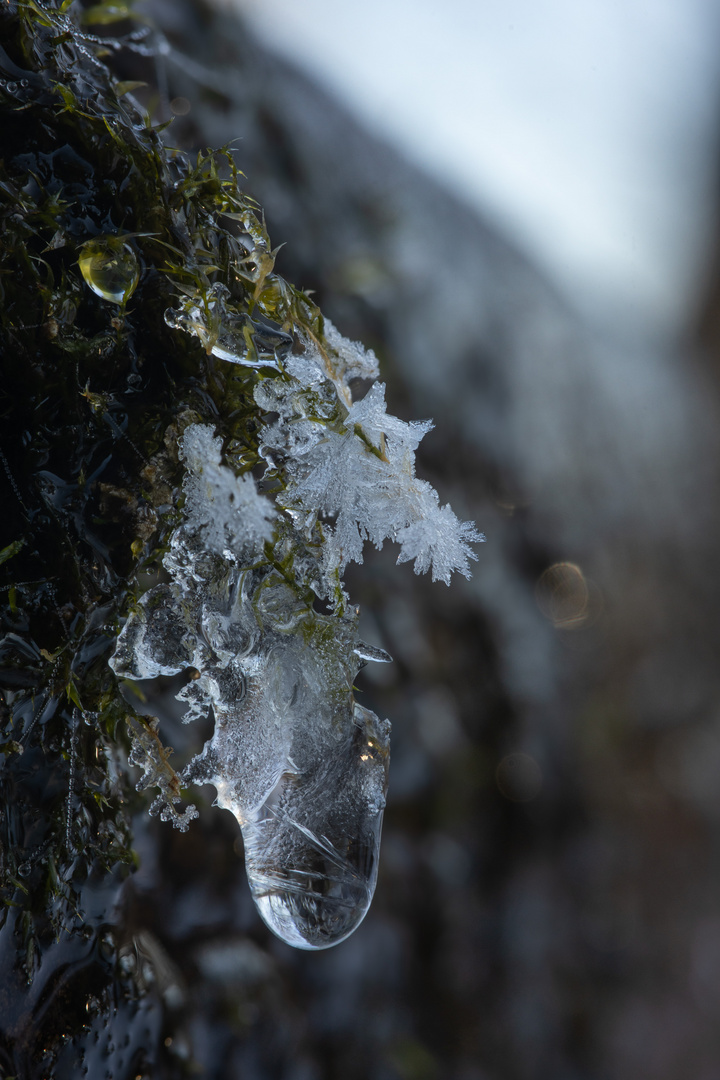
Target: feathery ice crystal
300 764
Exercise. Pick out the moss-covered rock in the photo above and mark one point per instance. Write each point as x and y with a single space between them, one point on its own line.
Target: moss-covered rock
102 231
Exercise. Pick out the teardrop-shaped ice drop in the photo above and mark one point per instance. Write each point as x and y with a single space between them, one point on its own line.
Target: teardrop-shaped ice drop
311 849
110 268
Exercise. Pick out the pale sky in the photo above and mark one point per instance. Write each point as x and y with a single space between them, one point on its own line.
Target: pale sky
585 127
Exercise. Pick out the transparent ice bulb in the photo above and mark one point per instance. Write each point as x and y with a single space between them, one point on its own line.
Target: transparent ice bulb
311 849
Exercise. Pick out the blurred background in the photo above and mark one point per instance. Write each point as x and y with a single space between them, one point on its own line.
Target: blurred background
516 206
586 132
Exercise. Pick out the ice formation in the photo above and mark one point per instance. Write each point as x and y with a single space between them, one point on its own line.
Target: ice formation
229 335
354 465
301 765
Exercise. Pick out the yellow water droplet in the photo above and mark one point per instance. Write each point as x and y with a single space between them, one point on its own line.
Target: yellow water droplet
110 268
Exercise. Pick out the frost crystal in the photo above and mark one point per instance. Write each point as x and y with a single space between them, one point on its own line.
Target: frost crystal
359 470
437 541
299 763
149 753
355 361
225 510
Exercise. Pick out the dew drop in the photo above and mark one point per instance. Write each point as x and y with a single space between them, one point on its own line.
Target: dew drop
110 268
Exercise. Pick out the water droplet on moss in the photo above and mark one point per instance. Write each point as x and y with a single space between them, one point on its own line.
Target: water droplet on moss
110 268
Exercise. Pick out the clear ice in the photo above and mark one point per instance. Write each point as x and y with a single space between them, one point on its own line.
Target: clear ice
230 335
299 763
110 267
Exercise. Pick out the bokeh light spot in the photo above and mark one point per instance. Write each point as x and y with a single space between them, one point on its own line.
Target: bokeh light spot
519 777
563 595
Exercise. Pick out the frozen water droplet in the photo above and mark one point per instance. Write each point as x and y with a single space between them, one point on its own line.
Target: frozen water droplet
155 639
230 335
368 653
301 766
110 268
311 849
251 343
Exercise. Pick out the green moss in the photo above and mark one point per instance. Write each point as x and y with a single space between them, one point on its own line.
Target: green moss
94 394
